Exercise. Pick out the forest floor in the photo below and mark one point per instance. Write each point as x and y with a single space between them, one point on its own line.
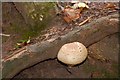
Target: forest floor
96 10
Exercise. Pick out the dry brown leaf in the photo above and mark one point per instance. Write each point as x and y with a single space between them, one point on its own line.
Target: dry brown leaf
71 14
110 5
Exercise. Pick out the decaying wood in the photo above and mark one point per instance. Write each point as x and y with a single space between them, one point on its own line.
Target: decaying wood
14 55
87 34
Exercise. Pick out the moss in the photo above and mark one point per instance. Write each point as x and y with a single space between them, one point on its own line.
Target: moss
24 31
16 26
39 11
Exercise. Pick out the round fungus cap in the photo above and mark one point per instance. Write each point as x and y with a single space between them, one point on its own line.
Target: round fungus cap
72 53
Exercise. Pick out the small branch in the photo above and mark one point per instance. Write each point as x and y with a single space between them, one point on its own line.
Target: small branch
16 54
85 21
7 35
61 7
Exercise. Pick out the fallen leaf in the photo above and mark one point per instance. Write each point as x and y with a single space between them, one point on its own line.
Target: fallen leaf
111 5
22 43
71 14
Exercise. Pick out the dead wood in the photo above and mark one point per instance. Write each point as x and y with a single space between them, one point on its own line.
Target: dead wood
87 34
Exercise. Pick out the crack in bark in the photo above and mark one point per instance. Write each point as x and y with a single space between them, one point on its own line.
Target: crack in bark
34 65
68 70
101 39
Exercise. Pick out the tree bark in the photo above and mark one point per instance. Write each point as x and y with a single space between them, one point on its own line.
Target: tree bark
87 34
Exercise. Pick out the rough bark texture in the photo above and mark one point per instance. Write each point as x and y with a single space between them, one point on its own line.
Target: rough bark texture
102 63
88 34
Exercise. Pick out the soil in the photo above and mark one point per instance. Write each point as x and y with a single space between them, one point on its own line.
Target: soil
92 67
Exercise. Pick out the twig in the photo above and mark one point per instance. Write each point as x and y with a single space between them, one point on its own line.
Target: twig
85 21
16 54
60 6
57 9
7 35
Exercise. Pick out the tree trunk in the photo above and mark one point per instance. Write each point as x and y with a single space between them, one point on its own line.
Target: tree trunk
87 34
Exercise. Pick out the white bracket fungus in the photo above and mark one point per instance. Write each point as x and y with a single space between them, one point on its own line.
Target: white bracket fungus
72 53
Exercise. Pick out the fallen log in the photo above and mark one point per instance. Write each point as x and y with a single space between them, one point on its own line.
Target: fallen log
87 34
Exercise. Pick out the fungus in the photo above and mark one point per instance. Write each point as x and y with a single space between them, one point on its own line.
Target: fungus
72 53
